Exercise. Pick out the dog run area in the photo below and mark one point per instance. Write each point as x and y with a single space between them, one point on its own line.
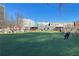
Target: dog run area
38 44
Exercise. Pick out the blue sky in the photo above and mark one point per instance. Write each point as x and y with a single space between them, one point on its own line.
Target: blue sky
44 11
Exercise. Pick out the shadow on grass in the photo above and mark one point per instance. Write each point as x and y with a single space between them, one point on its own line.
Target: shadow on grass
38 44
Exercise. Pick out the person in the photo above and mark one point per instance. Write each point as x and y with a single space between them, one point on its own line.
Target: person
66 35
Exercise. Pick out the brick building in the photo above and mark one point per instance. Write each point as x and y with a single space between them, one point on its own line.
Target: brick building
76 24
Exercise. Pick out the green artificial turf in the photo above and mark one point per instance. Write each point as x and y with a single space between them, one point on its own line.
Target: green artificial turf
38 44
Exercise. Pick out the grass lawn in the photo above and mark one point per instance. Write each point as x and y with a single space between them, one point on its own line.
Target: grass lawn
38 44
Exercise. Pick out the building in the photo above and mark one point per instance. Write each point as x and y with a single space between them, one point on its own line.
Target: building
42 25
76 24
28 23
62 26
2 15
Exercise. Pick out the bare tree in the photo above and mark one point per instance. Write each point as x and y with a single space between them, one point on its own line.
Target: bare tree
19 19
